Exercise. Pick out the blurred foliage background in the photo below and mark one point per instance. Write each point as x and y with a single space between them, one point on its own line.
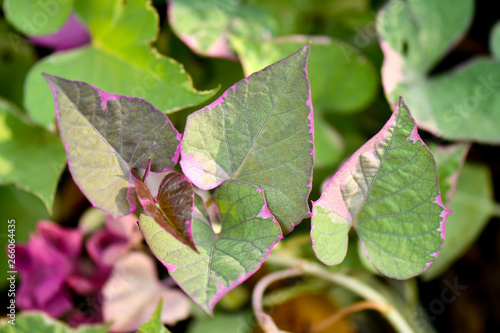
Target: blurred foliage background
148 54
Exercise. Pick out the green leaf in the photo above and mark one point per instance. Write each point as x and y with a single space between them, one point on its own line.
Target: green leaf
107 135
17 55
119 59
258 131
17 200
172 209
35 18
495 40
31 157
204 25
154 325
239 322
342 79
458 104
225 259
422 31
450 160
388 192
328 143
40 322
472 207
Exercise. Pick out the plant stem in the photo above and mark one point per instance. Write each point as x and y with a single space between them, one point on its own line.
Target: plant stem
393 316
383 308
265 321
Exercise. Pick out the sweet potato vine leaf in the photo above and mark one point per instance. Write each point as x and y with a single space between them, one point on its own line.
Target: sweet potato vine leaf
259 131
105 136
226 259
388 191
172 209
119 59
459 104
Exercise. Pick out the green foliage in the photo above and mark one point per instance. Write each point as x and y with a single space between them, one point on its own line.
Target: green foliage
458 104
252 152
37 17
20 138
107 135
388 192
40 322
225 259
119 60
154 325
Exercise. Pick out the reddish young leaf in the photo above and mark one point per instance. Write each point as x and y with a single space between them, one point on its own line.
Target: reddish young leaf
172 209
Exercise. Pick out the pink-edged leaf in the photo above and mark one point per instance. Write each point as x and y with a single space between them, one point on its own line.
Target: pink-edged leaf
388 191
105 136
259 131
225 259
172 209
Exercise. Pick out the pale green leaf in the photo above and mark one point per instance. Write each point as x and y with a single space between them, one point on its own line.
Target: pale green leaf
40 17
119 60
388 191
457 104
31 157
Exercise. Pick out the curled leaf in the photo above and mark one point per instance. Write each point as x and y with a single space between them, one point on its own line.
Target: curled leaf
172 209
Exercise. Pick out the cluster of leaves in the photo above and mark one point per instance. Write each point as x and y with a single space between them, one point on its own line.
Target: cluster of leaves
257 145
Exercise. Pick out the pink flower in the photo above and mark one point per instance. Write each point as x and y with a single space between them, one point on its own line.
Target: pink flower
72 34
45 263
112 242
53 268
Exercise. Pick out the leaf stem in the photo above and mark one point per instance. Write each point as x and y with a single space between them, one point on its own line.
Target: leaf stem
302 266
265 321
383 308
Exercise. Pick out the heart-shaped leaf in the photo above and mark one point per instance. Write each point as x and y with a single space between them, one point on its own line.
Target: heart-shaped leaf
105 136
388 191
172 209
225 259
119 59
37 17
259 131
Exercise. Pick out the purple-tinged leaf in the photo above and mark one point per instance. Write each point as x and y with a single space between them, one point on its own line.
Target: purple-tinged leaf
172 209
225 259
388 191
107 135
259 131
